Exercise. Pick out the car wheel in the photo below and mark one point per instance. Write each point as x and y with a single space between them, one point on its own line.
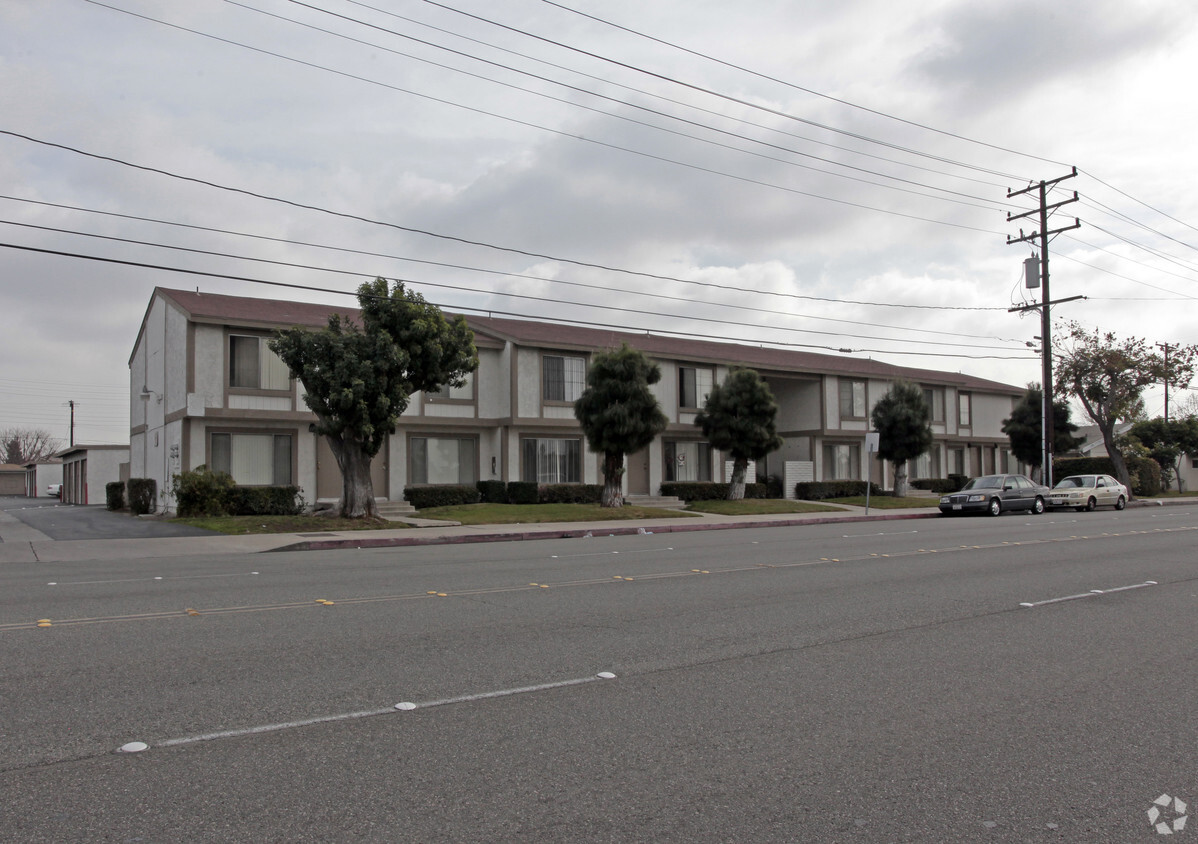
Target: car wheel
1038 507
995 507
1091 504
1121 503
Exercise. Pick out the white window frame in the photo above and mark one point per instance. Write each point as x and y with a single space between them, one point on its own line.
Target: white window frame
698 381
573 379
853 394
558 460
270 371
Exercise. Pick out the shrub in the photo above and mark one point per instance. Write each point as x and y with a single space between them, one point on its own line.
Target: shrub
114 495
493 492
264 501
200 492
817 490
570 494
142 493
522 492
1144 472
710 490
959 482
446 495
937 485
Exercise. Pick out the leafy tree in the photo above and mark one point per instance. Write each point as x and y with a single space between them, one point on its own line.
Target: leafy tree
359 380
1025 429
1109 378
903 421
21 446
1166 441
619 413
738 418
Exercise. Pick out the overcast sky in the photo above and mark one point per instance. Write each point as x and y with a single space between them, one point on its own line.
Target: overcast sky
767 171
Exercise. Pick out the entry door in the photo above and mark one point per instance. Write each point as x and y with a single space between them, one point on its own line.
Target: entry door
638 472
328 473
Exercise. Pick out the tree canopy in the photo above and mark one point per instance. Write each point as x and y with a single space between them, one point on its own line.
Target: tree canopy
1166 441
358 380
902 419
738 418
1109 376
21 446
618 412
1024 427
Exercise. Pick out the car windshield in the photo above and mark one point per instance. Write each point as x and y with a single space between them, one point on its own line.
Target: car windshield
985 482
1076 481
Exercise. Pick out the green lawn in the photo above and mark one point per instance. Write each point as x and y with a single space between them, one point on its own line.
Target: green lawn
527 514
241 525
760 506
887 502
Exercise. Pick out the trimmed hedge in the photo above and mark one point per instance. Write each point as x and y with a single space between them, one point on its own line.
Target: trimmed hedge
818 490
570 494
493 492
201 492
1145 473
447 495
142 492
114 495
938 485
522 492
710 490
264 501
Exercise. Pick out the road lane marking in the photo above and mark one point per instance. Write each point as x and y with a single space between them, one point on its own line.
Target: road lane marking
402 706
159 578
1093 593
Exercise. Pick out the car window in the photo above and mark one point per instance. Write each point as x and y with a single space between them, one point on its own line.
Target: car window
1069 483
984 482
1022 482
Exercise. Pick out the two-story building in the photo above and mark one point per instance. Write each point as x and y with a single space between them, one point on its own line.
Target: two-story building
206 390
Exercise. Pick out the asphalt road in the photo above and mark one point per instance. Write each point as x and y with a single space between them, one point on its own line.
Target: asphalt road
61 521
856 682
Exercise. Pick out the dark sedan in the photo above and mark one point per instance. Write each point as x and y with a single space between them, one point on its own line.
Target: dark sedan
995 494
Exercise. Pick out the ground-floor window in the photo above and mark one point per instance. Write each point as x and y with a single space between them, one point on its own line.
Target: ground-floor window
687 461
956 461
842 462
927 465
444 460
551 461
253 459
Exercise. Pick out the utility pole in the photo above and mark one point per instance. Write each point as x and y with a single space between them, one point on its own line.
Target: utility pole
1165 346
72 404
1047 432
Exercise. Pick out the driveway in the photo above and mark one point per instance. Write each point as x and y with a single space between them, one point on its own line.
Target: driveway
59 521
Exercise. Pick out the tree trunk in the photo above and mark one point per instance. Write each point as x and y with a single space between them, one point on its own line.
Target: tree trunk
613 476
736 489
1116 456
900 478
357 489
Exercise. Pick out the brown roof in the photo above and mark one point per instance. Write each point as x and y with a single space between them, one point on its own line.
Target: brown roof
211 307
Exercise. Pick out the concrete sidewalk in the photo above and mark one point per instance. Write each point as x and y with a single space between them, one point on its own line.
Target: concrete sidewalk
19 547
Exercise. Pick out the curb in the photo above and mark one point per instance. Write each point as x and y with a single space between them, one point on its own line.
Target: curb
579 533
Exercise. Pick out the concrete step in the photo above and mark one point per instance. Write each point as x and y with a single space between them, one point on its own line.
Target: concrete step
387 509
664 502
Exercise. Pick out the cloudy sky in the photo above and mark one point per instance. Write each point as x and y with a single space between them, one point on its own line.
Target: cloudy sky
825 175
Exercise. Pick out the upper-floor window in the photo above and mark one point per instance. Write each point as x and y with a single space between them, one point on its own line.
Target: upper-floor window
462 393
934 398
252 365
694 385
852 399
964 409
563 378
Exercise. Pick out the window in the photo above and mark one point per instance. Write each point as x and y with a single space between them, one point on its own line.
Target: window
563 377
444 460
852 399
462 393
551 461
927 465
934 398
252 365
694 385
842 462
687 461
956 461
253 459
964 408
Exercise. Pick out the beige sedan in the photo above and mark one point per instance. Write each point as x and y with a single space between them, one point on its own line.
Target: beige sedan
1085 492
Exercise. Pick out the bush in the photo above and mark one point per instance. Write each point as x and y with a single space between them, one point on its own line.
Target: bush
570 494
818 490
446 495
522 492
114 495
264 501
1144 472
200 492
959 482
937 485
142 493
493 492
710 490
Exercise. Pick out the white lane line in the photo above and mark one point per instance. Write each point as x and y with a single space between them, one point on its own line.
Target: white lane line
140 579
897 533
1091 594
404 706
